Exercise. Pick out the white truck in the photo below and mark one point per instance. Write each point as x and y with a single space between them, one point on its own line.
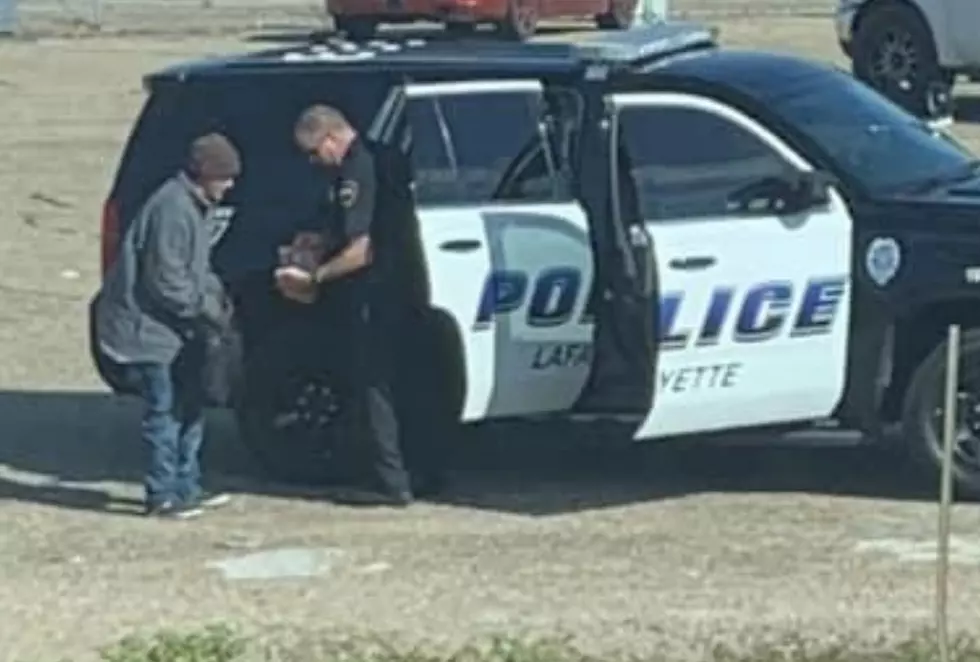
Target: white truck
912 50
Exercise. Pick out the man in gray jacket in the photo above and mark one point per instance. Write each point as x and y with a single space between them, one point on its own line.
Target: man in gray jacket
152 318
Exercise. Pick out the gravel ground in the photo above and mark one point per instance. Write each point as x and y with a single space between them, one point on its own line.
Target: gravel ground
552 531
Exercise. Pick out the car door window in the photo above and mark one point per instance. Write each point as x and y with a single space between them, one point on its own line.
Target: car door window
481 148
687 162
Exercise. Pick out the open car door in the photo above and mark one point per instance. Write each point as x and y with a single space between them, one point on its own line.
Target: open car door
753 261
505 243
625 298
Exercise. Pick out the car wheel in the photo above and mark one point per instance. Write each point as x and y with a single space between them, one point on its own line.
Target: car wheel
521 21
355 27
894 53
923 412
619 16
291 420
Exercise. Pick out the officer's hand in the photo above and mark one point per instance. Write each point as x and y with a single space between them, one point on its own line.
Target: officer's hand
296 284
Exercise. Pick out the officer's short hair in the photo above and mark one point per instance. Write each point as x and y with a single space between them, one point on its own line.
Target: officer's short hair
317 121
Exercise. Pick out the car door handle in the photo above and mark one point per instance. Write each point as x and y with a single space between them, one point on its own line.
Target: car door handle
691 263
460 245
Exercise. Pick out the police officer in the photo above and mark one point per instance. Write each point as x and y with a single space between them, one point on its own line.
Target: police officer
350 279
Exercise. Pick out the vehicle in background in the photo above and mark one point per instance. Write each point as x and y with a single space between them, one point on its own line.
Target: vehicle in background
515 19
912 50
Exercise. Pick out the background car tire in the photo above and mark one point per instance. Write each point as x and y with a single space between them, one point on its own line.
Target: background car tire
922 425
521 21
619 15
894 52
355 27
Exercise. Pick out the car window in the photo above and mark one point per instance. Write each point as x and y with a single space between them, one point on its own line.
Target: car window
867 136
170 118
686 162
279 190
543 173
471 148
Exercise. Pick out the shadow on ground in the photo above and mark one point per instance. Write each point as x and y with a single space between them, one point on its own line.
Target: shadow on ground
64 448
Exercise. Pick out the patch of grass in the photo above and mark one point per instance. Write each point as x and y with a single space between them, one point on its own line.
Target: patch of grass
224 644
213 644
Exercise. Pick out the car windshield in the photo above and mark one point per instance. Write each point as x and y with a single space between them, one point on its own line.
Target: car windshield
868 137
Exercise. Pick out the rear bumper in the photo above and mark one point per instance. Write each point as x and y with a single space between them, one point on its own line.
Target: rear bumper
412 10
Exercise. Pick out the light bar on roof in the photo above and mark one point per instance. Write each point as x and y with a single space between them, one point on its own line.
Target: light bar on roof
646 42
335 49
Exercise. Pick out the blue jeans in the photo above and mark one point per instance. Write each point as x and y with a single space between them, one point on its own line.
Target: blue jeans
172 425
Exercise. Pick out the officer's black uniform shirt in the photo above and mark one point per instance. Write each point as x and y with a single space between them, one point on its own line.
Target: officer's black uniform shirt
353 196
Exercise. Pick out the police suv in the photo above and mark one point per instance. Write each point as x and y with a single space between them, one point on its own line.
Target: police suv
637 225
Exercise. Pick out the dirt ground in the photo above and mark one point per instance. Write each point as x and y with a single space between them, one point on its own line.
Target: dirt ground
548 533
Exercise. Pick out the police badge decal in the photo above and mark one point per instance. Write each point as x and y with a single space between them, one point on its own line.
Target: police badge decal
882 260
347 194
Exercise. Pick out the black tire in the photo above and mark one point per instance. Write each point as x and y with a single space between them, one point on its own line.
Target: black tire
912 77
522 20
288 446
427 394
922 423
356 27
619 16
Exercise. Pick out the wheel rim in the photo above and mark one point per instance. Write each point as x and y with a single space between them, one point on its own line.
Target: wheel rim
292 432
309 411
966 442
895 61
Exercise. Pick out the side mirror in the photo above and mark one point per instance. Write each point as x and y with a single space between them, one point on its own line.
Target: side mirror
814 187
783 195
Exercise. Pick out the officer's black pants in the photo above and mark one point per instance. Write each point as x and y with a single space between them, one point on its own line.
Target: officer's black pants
393 442
370 373
376 417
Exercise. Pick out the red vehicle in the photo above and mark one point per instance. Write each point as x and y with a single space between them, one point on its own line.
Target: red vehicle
517 19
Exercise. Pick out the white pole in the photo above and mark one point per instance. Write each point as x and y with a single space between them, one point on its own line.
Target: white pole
96 14
946 489
8 17
650 11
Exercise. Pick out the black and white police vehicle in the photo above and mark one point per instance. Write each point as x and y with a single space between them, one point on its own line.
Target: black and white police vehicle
638 225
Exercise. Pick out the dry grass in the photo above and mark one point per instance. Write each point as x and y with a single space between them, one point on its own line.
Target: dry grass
224 644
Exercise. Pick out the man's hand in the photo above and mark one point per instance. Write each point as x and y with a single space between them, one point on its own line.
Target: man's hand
296 284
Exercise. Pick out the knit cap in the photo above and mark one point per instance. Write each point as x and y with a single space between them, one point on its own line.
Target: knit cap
213 157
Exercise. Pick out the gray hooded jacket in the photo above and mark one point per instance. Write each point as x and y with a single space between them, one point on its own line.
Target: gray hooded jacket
161 291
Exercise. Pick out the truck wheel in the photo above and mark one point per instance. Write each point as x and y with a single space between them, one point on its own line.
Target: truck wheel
894 52
923 411
355 27
521 21
619 15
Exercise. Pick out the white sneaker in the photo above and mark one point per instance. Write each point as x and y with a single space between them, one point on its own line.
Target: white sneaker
213 499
